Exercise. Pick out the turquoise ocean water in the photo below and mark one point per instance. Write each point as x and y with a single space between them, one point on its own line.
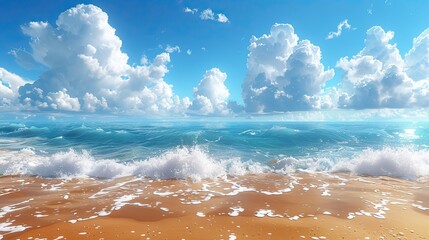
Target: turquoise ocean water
206 149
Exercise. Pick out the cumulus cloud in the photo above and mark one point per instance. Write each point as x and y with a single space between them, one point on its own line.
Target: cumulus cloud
208 14
9 85
172 49
91 103
378 76
211 94
87 71
417 58
222 18
62 101
283 73
342 25
190 10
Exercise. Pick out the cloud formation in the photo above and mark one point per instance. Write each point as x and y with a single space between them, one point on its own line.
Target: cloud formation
208 14
190 10
211 94
341 26
222 18
378 76
172 49
87 71
417 59
284 74
62 101
9 85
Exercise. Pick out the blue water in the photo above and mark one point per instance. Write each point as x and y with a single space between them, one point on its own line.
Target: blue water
256 142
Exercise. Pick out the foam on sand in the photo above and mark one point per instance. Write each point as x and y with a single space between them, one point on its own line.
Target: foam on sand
228 205
8 227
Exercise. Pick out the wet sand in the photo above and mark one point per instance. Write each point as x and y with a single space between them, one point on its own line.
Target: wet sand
265 206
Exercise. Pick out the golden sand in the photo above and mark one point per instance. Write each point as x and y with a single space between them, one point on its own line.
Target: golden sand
265 206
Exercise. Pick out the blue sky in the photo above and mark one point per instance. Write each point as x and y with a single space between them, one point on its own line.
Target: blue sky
146 28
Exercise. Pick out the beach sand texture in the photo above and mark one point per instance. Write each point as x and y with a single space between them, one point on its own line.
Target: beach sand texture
263 206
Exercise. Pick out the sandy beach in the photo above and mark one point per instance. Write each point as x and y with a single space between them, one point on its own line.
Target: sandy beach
264 206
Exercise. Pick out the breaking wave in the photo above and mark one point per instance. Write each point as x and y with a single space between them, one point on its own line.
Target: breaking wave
179 163
196 163
392 162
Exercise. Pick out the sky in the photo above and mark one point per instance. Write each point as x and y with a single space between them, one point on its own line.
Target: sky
213 57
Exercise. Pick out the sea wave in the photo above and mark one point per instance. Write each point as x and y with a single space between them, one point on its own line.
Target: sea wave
196 163
393 162
179 163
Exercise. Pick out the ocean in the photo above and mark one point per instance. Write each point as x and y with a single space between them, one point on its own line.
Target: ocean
198 149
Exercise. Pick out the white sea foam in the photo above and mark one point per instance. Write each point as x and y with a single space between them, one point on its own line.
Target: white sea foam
9 228
238 168
179 163
235 211
251 132
399 163
195 163
14 207
266 212
200 214
58 165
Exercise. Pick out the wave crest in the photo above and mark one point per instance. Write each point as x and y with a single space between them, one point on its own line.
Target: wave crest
179 163
197 164
392 162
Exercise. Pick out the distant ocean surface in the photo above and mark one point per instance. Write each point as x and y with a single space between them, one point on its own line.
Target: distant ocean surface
200 149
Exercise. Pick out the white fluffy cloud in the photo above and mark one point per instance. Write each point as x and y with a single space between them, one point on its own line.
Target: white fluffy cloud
222 18
190 10
378 77
208 14
283 73
88 71
417 58
211 94
172 49
91 103
342 25
62 101
9 85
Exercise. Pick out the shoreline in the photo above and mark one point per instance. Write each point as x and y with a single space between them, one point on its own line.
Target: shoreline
262 206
